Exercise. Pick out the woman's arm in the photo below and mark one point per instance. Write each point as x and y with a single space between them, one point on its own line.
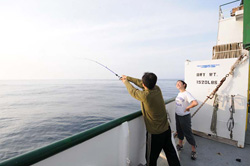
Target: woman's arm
193 104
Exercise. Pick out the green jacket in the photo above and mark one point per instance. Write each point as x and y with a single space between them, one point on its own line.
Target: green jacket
152 106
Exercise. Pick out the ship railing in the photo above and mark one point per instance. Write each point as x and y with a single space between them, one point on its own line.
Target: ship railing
228 9
118 142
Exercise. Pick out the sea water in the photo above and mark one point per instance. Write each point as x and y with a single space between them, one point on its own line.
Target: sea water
35 113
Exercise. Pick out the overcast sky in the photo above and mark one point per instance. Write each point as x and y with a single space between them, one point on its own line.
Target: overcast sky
50 39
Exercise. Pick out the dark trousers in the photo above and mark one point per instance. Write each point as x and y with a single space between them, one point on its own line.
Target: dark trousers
183 127
157 142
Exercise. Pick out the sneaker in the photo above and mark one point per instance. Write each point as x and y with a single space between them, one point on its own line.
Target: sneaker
179 147
193 155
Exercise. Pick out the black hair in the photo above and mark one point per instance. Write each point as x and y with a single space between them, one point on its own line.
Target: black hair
184 83
149 80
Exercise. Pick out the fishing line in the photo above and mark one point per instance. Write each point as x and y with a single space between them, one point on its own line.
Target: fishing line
104 67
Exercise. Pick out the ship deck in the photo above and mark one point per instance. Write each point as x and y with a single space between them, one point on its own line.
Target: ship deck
210 153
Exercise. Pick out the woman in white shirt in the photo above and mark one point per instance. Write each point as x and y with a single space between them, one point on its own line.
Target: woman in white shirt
184 101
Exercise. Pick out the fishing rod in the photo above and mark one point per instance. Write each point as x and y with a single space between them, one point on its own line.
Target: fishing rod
104 67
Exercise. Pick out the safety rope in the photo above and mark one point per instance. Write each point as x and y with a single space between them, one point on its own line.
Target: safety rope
238 62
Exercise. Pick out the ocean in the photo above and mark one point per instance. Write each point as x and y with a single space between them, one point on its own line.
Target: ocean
35 113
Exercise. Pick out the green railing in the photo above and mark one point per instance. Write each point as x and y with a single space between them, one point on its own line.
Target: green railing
57 147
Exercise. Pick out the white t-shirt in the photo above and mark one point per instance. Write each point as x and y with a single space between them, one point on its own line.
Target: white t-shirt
182 101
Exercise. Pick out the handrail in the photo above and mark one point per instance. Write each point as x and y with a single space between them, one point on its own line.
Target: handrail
229 3
59 146
220 9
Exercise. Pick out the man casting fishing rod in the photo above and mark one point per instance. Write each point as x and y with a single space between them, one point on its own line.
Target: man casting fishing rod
158 135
